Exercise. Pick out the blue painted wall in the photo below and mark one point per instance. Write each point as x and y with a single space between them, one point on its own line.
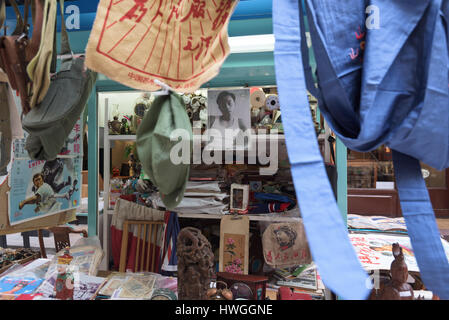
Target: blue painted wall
245 10
251 17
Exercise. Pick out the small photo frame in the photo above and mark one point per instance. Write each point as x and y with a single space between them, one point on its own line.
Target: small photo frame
239 198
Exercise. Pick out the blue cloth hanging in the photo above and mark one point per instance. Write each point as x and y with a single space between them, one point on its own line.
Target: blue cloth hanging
169 260
385 85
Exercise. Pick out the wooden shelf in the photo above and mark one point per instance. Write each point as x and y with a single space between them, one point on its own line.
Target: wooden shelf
122 137
280 137
261 217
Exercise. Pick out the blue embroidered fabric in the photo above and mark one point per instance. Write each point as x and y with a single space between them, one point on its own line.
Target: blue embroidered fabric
384 83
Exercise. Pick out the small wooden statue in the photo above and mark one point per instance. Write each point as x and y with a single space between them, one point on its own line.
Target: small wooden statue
195 264
397 288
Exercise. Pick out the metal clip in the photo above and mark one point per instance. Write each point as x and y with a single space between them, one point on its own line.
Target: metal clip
165 88
23 35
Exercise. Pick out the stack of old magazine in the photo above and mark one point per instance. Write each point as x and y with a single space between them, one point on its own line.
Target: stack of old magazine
202 197
304 278
129 286
376 224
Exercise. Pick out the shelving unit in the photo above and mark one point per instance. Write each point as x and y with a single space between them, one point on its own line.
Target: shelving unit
106 181
264 217
109 211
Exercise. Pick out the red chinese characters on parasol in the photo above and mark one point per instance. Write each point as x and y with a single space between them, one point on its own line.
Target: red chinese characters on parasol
182 43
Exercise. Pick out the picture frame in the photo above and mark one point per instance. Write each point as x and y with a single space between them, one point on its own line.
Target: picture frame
234 244
228 118
239 198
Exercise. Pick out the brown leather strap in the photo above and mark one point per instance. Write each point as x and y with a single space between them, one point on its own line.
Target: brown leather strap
25 14
20 26
26 84
16 51
38 17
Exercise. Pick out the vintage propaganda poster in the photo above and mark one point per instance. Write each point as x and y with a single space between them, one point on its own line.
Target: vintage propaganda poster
41 188
375 250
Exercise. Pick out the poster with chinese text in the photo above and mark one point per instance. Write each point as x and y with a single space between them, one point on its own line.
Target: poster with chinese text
41 188
375 253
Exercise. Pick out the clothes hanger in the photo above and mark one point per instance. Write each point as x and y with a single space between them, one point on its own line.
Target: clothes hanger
165 89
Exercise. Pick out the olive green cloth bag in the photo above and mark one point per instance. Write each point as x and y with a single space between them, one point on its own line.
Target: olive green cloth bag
154 147
50 122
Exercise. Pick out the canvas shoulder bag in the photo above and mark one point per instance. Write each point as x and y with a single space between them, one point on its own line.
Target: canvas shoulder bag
285 245
50 122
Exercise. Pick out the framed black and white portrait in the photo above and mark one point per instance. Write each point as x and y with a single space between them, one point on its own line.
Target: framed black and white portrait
229 118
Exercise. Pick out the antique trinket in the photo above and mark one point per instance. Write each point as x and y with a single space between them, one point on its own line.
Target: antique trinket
195 264
64 284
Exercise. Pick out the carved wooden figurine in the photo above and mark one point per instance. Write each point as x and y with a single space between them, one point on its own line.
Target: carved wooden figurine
397 288
195 264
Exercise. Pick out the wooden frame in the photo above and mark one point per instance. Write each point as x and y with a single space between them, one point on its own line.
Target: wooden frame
243 199
152 238
61 238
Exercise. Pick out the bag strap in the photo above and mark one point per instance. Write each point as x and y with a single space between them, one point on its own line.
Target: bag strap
39 66
421 224
38 16
22 23
326 231
54 58
331 141
65 51
414 199
310 83
26 8
20 26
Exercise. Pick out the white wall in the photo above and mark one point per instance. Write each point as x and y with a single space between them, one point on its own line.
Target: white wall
125 100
